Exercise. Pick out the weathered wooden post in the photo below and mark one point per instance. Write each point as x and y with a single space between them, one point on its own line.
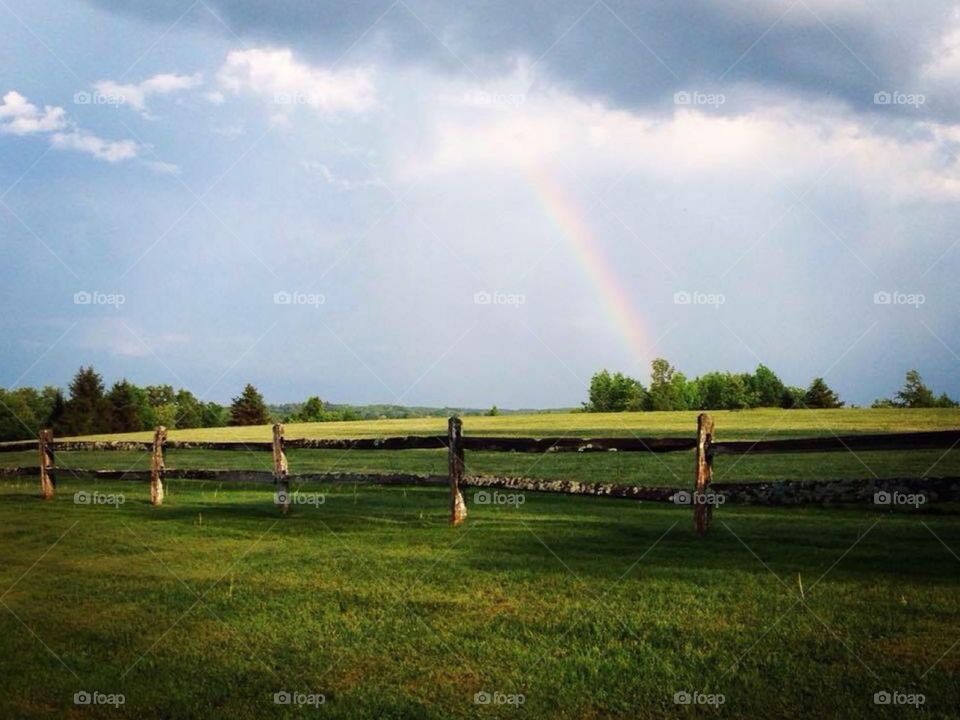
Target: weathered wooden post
48 481
702 511
280 478
157 468
458 510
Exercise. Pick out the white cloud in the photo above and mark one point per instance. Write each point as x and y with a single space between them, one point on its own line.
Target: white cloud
20 117
135 94
277 76
112 151
782 141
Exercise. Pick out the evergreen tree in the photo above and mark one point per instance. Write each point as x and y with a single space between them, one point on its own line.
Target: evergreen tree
124 407
915 394
819 395
86 411
248 408
57 409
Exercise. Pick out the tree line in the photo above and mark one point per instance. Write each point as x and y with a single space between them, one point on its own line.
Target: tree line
89 408
670 389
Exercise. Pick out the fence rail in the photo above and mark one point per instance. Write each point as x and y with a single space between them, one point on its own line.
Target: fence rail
456 443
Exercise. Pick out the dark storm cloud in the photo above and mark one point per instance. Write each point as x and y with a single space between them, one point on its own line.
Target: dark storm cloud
633 53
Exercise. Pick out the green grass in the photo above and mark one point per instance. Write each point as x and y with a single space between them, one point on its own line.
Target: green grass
730 425
588 607
668 469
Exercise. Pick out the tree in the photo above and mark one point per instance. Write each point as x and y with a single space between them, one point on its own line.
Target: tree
124 407
766 387
819 395
615 393
58 405
311 411
189 410
914 393
86 411
214 415
792 397
22 414
493 411
248 408
944 401
667 387
161 395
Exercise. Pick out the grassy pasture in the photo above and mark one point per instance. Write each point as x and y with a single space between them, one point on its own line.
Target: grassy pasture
587 607
731 425
668 469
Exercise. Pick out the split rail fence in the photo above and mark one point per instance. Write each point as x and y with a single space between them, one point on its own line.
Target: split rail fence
456 443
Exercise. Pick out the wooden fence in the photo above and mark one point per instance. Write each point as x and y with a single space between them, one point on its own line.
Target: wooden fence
703 444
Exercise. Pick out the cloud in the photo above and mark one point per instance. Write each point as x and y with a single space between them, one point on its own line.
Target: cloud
274 74
781 138
112 151
135 94
20 117
628 53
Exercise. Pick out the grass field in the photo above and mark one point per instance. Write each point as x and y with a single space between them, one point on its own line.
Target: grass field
671 469
211 604
730 425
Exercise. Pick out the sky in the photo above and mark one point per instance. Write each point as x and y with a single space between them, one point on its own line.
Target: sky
467 204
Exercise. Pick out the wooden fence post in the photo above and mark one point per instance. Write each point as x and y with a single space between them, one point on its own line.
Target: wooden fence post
458 510
157 468
280 470
702 511
48 481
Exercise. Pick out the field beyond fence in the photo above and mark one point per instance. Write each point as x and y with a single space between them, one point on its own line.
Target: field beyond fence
703 495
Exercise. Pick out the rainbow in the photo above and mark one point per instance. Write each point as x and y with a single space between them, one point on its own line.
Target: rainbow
566 216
